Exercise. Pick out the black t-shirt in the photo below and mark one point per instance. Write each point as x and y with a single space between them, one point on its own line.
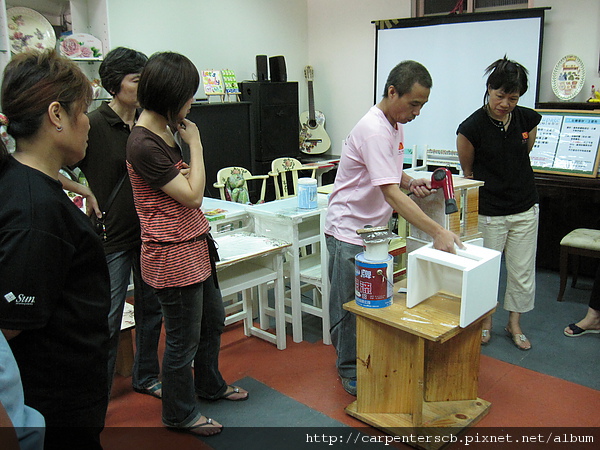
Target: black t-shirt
54 286
103 166
502 161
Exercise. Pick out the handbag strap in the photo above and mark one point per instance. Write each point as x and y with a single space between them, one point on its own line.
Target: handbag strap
114 192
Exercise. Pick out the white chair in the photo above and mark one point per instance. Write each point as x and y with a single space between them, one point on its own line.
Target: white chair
284 172
238 193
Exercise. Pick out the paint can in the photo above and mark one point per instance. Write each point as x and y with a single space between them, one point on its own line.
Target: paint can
307 193
373 282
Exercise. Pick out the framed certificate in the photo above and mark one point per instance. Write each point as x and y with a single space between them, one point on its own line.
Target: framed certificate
567 143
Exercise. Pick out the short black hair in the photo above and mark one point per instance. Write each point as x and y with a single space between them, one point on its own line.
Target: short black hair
167 82
117 64
508 75
405 75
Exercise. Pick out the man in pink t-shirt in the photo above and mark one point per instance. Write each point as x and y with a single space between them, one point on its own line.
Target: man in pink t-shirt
367 190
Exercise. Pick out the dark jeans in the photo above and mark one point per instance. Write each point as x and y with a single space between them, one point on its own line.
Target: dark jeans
194 320
148 318
343 323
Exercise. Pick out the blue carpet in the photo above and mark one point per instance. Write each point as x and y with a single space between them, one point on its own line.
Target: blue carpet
269 420
552 353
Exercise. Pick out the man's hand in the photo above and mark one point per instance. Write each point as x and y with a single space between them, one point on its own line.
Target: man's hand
445 240
421 187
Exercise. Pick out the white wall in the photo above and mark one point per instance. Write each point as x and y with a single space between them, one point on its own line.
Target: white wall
341 48
571 27
212 36
336 37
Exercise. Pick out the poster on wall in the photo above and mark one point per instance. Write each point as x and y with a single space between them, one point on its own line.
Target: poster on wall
567 143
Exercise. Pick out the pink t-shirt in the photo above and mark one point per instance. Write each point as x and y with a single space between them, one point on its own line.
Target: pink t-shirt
372 156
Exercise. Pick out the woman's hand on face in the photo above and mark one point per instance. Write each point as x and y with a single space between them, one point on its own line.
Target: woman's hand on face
189 132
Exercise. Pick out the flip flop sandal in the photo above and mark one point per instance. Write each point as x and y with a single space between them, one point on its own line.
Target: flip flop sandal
578 331
151 390
234 390
518 339
486 334
197 429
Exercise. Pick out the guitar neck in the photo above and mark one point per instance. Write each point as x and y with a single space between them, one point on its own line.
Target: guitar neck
311 102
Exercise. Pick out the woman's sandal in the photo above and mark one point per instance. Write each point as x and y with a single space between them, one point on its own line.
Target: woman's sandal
232 390
519 340
206 428
486 336
578 331
154 390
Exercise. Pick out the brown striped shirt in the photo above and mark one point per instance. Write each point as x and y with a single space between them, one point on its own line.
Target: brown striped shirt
169 259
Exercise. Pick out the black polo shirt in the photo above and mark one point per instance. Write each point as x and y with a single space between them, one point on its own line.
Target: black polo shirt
103 165
54 286
502 161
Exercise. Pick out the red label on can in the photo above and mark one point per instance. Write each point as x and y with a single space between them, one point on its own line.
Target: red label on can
371 283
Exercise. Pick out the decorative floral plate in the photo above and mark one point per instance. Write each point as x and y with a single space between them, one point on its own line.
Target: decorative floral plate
568 77
28 29
80 46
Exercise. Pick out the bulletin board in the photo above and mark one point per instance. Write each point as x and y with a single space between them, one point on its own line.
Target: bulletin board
567 143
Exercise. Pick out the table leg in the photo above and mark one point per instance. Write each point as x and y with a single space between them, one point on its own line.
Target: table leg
279 294
296 296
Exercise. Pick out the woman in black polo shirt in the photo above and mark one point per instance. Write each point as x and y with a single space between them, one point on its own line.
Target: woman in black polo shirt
493 146
54 285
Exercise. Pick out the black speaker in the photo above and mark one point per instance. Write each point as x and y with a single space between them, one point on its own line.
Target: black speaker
277 68
225 129
275 118
261 68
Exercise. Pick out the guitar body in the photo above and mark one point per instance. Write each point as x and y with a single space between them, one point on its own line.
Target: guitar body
313 137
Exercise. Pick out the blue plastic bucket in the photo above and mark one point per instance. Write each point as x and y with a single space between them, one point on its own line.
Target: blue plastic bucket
373 282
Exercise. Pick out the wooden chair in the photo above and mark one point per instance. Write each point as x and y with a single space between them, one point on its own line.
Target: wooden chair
284 172
232 183
579 242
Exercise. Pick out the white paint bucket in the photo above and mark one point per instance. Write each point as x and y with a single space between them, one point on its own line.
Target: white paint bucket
373 282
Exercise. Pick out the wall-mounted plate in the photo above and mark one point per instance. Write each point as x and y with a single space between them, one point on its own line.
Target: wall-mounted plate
80 46
28 29
568 77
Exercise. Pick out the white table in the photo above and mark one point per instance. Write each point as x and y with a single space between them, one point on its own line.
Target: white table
229 216
248 261
322 167
282 219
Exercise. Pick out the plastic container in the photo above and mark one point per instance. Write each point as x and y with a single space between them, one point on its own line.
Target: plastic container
307 193
373 285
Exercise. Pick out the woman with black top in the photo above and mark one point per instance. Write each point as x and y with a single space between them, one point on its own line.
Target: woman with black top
54 282
493 146
105 170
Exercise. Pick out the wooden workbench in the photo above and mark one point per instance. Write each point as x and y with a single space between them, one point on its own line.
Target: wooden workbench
417 370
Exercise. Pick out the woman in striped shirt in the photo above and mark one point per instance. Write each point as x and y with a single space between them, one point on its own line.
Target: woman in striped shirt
177 252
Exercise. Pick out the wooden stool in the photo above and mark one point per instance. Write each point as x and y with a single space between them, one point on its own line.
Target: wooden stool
579 242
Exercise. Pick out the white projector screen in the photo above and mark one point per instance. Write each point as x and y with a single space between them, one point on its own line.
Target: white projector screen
456 50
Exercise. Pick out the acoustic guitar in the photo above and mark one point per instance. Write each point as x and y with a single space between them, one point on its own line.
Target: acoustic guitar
313 137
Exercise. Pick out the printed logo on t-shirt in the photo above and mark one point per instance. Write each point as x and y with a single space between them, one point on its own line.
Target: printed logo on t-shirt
21 299
525 137
401 148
